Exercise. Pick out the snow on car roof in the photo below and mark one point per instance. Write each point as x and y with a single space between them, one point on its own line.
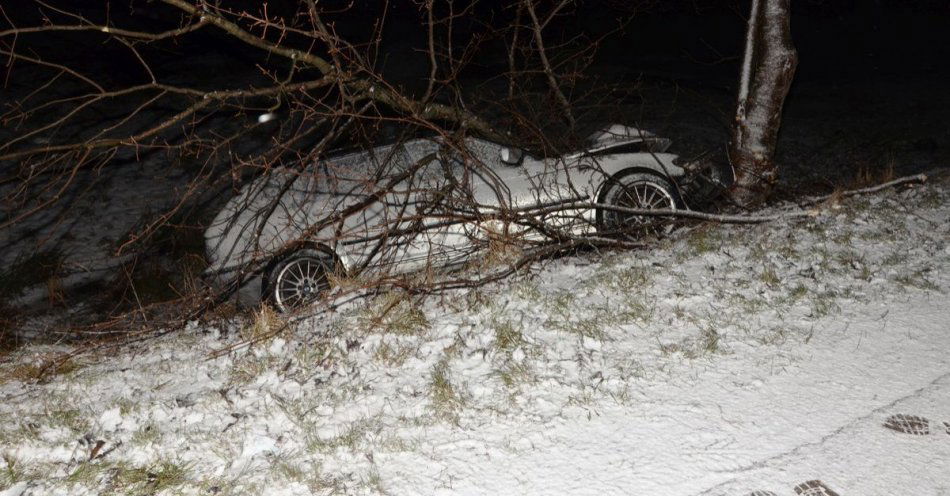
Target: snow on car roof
619 132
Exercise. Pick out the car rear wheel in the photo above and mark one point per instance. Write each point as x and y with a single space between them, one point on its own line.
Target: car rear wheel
637 190
298 280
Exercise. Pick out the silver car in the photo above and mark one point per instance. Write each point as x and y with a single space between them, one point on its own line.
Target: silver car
422 204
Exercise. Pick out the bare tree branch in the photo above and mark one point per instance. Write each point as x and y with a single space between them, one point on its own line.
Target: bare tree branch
542 53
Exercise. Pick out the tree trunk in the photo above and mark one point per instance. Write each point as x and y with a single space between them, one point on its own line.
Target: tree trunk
767 71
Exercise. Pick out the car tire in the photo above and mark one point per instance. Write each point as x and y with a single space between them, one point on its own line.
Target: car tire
642 190
297 279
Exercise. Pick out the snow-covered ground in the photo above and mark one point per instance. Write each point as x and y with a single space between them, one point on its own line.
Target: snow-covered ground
725 360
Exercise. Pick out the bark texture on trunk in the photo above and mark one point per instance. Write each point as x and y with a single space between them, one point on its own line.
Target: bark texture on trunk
767 71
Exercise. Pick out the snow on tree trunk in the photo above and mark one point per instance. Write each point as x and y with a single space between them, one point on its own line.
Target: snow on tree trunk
767 71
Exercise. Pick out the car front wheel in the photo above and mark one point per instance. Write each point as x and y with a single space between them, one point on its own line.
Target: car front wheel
642 191
298 280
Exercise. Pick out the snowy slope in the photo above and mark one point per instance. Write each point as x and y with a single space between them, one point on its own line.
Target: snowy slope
725 361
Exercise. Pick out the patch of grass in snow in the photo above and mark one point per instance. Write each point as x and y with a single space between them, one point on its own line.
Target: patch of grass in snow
61 416
564 318
707 343
515 373
584 398
127 406
751 239
843 237
631 369
591 327
709 339
528 291
445 397
633 308
561 304
87 474
916 279
307 474
748 304
627 305
224 486
321 353
478 298
364 435
875 235
285 466
704 239
930 198
568 318
162 475
351 439
13 471
851 259
374 481
894 258
817 227
823 303
779 335
146 434
396 444
20 430
395 313
249 366
770 277
622 279
798 292
32 368
393 353
266 323
630 279
508 336
787 250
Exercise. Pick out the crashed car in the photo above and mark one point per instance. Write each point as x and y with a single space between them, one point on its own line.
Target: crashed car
421 204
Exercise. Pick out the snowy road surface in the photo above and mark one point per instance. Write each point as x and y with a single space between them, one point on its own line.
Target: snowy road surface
731 429
726 361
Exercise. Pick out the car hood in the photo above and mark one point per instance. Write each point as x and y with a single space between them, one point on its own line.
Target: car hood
617 136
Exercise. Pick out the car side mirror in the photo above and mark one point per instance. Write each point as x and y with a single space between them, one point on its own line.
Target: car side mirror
511 156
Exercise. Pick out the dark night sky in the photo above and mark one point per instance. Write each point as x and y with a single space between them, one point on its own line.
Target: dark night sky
837 40
875 59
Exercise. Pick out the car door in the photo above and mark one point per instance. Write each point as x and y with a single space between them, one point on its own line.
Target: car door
533 198
405 222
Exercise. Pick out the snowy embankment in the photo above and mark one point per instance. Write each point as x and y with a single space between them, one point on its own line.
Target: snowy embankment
726 360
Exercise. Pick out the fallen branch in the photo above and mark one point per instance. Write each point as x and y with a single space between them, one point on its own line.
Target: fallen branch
917 178
759 219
